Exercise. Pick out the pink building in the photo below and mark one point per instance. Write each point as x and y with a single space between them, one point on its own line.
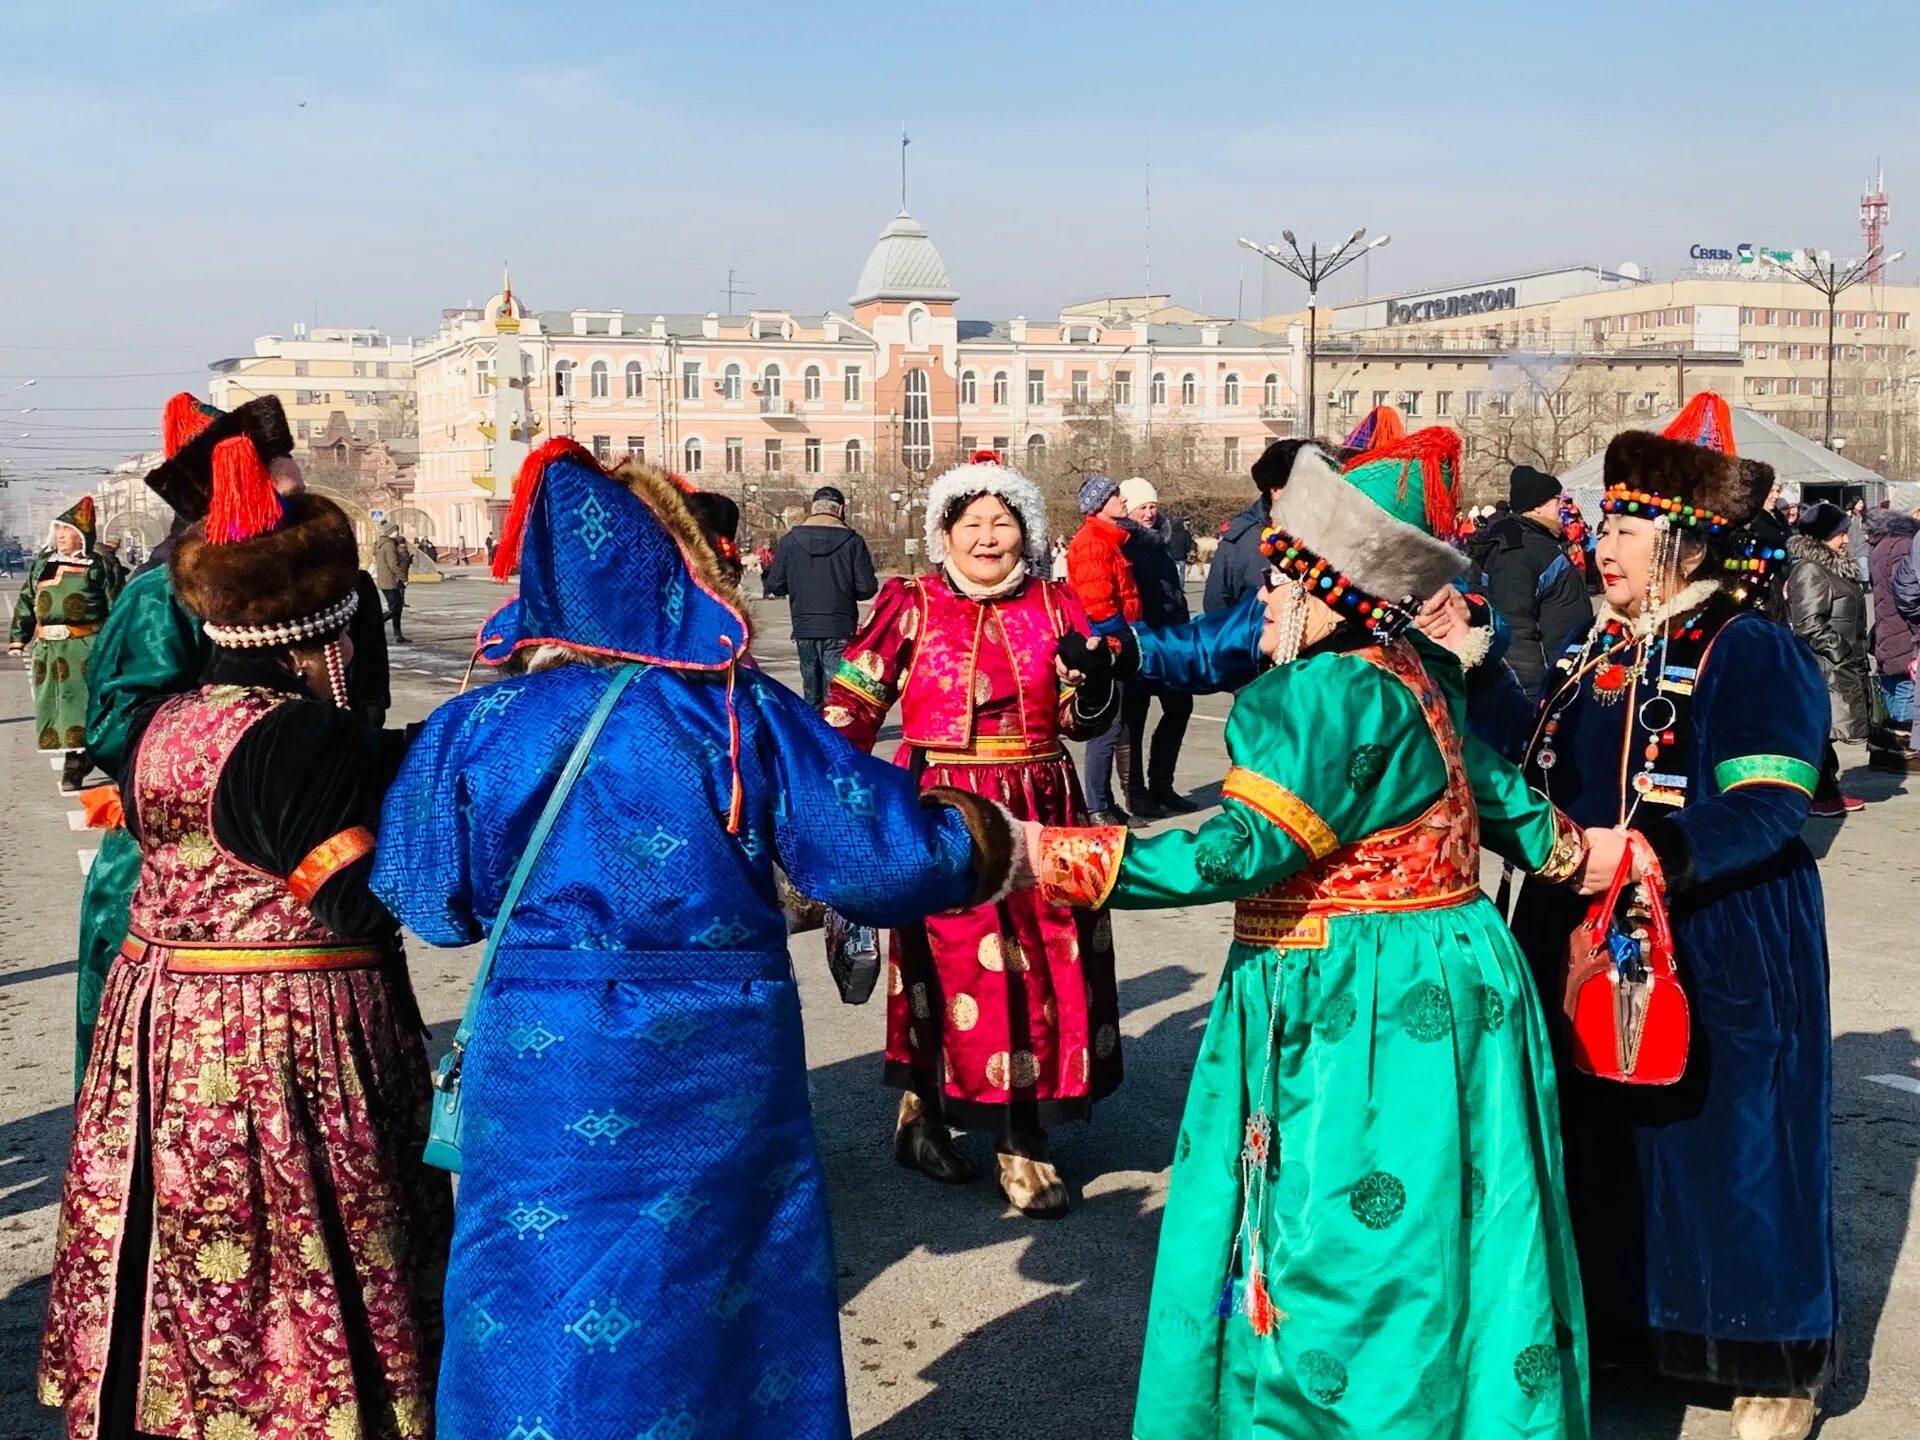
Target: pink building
898 385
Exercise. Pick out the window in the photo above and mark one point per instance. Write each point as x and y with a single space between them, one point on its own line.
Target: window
1080 384
1620 403
969 388
969 444
1560 402
916 429
1443 402
1036 449
1230 390
690 380
1123 387
300 369
1473 447
850 461
851 385
300 429
1230 452
691 456
770 382
597 380
736 455
1189 450
812 456
810 385
482 373
770 456
1002 446
1410 403
1473 404
1189 389
1158 394
360 369
1036 387
303 397
563 379
1270 392
637 448
603 448
1000 387
1379 397
636 382
380 370
1349 401
730 383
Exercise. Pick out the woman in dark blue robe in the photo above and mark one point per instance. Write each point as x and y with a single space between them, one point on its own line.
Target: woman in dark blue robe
1703 1211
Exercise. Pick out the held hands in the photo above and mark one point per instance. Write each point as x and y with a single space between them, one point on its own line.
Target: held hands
1445 618
1604 849
1079 658
1030 836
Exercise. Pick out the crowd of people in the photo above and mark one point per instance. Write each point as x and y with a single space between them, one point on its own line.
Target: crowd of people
1403 1201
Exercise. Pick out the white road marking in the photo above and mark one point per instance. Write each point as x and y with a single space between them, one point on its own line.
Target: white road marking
76 819
86 862
1897 1082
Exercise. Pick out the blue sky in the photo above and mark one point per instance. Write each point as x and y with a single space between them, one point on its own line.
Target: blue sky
166 196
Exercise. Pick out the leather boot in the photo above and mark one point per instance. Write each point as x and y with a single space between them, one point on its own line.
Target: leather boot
73 771
1772 1417
1030 1183
921 1143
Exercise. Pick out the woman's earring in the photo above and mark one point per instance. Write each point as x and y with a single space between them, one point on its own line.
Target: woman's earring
337 675
1291 623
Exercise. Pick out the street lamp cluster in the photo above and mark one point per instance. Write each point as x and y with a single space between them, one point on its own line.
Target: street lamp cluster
1832 279
1313 267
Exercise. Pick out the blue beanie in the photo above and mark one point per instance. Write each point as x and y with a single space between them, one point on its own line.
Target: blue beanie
1095 491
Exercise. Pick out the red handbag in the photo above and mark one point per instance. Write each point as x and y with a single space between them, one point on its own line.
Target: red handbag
1627 1014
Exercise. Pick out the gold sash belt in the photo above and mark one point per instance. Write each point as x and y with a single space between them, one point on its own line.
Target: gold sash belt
1302 924
253 960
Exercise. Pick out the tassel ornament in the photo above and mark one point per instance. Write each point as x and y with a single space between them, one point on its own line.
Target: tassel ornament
244 503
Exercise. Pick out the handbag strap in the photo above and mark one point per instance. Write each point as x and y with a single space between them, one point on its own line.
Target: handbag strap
576 762
1601 915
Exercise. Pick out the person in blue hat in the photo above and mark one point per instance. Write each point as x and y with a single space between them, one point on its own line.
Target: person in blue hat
641 1244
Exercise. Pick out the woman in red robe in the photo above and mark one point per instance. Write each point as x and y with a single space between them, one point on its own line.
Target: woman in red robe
1003 1017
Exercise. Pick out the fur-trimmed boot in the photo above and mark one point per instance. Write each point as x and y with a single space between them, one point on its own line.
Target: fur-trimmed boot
1028 1180
922 1143
1772 1417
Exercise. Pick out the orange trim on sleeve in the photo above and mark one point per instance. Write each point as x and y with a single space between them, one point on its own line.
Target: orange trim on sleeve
328 859
1079 865
1283 808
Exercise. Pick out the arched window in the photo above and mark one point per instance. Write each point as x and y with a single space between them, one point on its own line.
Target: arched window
597 375
999 387
810 382
1270 392
1159 395
1036 449
916 429
562 379
635 380
691 456
852 462
730 383
969 388
1230 390
770 381
1189 389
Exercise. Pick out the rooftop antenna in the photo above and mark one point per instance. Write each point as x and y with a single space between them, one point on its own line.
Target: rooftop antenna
1147 233
733 288
1873 223
905 140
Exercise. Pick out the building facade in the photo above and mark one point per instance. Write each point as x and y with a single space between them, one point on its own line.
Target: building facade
878 397
362 377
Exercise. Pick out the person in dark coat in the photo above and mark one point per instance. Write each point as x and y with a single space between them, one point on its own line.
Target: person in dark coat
1827 608
1896 639
1163 602
1238 568
824 570
1530 578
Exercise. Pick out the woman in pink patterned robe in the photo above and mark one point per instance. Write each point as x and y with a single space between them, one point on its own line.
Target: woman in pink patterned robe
1003 1017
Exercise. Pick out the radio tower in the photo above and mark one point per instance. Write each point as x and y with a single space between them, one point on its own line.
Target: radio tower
1873 223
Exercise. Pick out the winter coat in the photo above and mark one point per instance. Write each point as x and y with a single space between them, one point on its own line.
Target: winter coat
391 559
1097 569
825 570
1238 566
1827 608
1890 537
1163 598
1180 541
1536 587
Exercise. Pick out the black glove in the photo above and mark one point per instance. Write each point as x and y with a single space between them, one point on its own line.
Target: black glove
1092 658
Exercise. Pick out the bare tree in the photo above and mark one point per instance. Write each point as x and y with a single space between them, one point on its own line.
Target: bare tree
1549 413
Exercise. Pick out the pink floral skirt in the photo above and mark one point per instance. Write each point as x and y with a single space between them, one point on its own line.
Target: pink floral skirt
295 1243
1007 1014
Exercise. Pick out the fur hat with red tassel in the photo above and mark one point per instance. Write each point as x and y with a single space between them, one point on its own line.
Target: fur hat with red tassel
264 570
191 430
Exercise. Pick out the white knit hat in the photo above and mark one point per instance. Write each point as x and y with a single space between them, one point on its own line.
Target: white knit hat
1138 491
985 475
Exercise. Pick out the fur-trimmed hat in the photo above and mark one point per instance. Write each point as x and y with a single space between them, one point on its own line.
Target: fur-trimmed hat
985 475
1693 484
1376 529
191 430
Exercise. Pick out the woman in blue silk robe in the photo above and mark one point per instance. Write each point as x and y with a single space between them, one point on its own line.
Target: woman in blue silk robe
641 1243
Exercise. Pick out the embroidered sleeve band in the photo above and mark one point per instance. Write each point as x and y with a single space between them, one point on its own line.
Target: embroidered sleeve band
1747 770
328 859
862 684
1569 851
1079 866
1283 808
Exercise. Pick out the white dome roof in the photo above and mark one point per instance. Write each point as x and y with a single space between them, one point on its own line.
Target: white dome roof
904 266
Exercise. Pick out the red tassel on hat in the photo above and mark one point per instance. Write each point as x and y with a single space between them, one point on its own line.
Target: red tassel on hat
513 531
1437 450
244 502
183 419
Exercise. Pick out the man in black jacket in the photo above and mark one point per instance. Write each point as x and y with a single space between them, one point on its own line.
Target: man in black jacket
1530 578
824 569
1163 603
1238 567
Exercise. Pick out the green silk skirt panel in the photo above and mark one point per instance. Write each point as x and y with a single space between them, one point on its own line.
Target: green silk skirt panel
104 902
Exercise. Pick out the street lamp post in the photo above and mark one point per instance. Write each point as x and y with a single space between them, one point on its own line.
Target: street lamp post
1313 267
1832 279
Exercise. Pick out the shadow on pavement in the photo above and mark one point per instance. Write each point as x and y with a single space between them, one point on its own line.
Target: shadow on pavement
33 1158
23 1310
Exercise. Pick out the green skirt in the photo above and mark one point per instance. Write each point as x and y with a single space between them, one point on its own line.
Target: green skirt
60 692
1412 1225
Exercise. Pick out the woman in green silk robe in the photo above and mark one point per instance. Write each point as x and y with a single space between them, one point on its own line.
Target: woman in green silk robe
1365 1234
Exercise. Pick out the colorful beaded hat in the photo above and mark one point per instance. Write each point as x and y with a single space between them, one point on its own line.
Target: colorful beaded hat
1688 474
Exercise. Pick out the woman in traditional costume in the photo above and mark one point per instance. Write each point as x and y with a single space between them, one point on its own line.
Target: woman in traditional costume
65 600
1704 1211
1365 1233
250 1247
1004 1017
642 1245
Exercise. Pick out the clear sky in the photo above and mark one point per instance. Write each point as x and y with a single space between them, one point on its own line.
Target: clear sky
179 176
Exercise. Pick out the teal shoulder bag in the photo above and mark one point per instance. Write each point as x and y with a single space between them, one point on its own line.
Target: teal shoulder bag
443 1129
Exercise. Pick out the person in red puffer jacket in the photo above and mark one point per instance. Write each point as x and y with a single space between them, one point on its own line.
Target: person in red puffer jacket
1098 570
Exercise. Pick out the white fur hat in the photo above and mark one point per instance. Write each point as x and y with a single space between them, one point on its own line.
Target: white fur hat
985 475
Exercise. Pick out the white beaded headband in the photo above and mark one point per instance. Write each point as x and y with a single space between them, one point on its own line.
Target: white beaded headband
287 632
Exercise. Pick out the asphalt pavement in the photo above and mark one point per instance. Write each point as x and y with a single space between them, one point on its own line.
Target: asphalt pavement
960 1318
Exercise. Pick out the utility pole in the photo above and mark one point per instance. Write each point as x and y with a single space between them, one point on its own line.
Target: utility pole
1313 267
1833 279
